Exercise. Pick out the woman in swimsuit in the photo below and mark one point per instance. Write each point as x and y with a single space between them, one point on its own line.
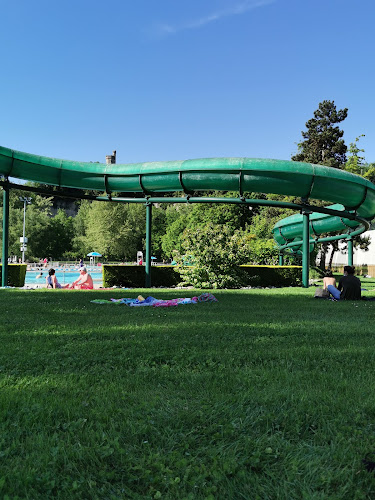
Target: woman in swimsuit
51 280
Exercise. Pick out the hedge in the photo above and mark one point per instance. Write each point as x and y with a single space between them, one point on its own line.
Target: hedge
134 276
16 274
272 275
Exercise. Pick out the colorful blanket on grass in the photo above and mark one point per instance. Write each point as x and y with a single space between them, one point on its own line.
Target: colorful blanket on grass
151 301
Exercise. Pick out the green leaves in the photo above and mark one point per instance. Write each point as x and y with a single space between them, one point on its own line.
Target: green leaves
115 230
323 144
217 252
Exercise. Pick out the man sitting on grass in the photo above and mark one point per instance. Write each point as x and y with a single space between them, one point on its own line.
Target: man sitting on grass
349 287
84 282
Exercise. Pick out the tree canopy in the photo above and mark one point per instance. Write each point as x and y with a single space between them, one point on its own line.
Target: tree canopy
323 143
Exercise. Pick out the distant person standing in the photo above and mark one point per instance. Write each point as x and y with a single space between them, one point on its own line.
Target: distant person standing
45 262
349 287
81 263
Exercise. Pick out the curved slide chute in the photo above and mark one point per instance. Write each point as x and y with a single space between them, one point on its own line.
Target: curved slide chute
288 231
223 174
352 195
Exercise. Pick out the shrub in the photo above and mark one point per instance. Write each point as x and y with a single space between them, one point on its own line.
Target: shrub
217 253
316 272
134 276
16 274
272 275
168 276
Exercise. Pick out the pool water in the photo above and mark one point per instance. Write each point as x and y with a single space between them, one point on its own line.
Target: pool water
63 277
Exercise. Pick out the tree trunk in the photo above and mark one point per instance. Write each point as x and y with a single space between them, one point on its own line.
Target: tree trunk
335 247
323 253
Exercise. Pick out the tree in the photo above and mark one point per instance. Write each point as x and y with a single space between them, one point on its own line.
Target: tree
217 252
370 173
115 230
61 229
323 143
355 163
180 217
81 247
38 229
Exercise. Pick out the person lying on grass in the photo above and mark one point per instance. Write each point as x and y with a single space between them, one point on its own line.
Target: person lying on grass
52 282
349 287
84 282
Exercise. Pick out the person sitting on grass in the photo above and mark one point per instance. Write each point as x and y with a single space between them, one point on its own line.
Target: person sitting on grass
51 280
328 279
349 287
84 282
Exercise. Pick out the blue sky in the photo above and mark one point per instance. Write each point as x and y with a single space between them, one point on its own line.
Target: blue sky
177 79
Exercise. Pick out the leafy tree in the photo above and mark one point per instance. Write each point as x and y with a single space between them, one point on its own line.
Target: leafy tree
370 173
356 165
217 252
47 236
177 220
323 143
180 217
159 227
115 230
263 249
61 230
356 162
38 229
80 245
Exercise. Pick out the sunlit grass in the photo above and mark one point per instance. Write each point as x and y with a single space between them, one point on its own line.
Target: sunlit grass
265 394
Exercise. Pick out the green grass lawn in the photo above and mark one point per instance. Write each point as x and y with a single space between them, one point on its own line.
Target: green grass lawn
267 394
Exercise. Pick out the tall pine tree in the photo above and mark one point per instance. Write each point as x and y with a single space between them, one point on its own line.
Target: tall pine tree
323 143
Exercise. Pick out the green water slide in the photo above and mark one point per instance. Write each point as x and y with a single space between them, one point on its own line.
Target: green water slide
224 174
288 232
353 197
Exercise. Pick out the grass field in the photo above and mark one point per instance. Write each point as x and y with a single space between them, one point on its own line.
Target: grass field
267 394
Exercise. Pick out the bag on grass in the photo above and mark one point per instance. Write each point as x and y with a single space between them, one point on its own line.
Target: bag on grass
321 294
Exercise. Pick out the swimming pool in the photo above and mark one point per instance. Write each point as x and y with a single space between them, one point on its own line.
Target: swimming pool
63 277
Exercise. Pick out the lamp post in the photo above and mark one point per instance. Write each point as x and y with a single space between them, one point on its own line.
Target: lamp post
26 201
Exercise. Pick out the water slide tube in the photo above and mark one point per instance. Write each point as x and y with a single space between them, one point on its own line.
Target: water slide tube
349 193
288 231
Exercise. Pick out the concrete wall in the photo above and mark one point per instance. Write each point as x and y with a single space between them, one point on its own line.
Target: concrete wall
360 257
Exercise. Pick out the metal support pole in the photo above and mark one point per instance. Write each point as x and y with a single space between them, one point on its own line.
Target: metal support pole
23 232
350 251
306 249
148 244
281 259
4 261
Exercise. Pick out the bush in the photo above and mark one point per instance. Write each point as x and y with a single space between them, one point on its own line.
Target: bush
16 274
168 276
272 275
217 253
134 276
316 273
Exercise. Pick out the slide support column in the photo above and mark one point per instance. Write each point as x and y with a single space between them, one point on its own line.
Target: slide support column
350 251
148 243
281 259
4 261
306 249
